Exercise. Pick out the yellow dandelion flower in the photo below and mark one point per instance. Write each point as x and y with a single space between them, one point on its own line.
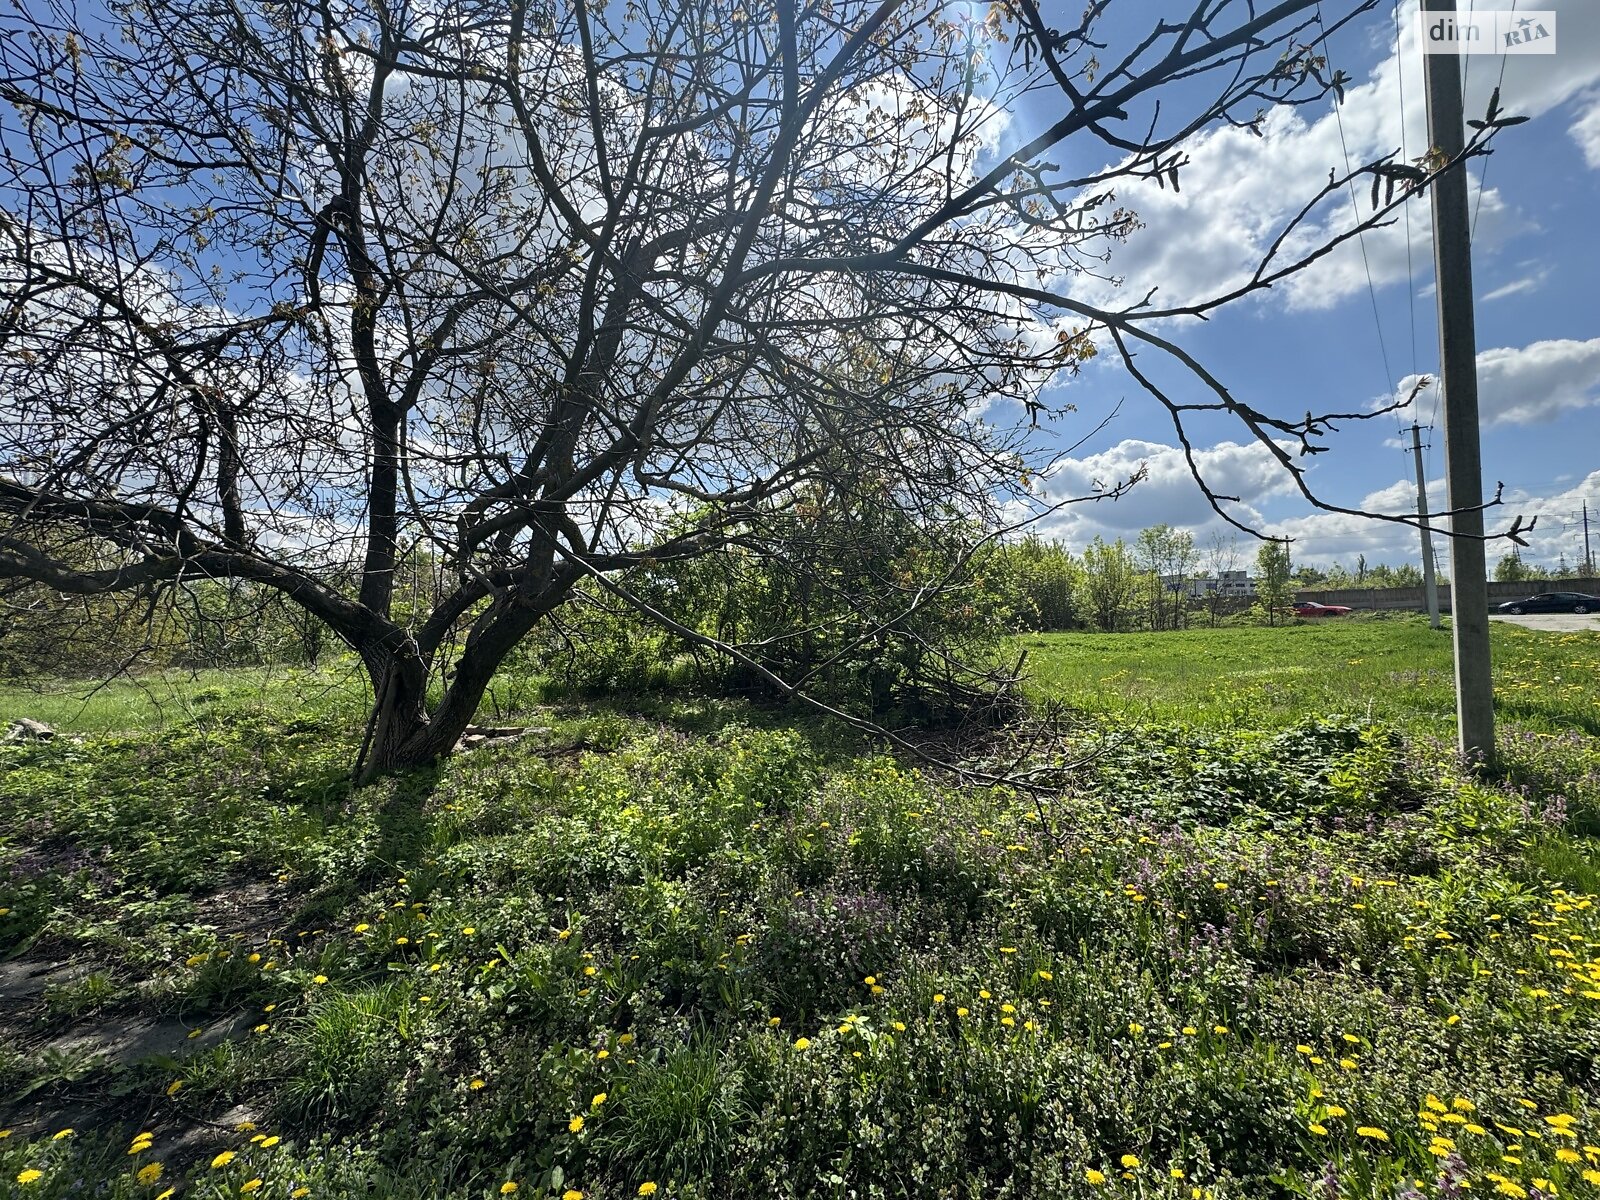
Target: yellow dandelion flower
575 1125
1372 1132
1319 1130
269 1143
508 1187
148 1173
250 1186
477 1085
222 1160
802 1043
1129 1161
572 1194
647 1188
599 1099
31 1175
65 1133
1094 1178
319 979
298 1194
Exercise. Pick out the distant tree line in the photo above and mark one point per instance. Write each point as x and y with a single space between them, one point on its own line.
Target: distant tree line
869 619
851 597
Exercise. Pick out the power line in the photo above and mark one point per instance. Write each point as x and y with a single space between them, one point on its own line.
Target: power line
1483 175
1355 210
1405 153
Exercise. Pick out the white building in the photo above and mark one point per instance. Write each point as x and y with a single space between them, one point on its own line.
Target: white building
1232 585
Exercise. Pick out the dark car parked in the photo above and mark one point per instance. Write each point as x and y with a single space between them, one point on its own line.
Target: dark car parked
1553 602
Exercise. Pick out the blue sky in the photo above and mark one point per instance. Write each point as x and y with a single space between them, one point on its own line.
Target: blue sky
1316 345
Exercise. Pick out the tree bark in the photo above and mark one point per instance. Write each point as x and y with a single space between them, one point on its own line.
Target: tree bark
402 733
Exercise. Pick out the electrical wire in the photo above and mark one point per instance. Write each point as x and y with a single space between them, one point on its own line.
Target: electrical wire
1483 175
1355 209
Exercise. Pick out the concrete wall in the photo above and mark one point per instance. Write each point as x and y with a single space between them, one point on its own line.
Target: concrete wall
1411 598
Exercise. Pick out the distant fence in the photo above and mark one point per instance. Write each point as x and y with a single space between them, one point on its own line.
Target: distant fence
1412 598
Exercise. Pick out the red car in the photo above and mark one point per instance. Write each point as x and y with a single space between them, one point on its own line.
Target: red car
1309 608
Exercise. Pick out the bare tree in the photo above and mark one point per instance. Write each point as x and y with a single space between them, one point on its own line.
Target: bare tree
1221 561
546 291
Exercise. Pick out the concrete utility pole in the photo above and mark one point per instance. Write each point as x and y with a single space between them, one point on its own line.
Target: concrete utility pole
1588 559
1458 367
1430 582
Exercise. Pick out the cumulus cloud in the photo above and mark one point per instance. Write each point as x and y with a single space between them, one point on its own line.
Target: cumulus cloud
1240 190
1167 493
1534 383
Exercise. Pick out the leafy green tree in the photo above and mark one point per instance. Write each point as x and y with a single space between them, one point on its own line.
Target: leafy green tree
1167 557
1274 581
1110 585
1511 569
1042 578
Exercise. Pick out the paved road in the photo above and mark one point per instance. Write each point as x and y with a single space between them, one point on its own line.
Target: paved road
1559 622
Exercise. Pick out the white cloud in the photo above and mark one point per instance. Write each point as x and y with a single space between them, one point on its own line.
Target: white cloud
1240 189
1167 494
1516 287
1586 129
1538 382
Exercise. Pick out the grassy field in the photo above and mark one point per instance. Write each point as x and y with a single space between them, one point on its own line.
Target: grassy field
1394 668
1273 940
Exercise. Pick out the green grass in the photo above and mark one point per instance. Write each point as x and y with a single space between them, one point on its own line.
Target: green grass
1397 669
728 955
153 700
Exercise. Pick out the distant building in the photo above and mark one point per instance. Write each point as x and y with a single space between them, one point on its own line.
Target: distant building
1231 585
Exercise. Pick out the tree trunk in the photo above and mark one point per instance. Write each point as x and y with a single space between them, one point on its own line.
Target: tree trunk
402 734
399 713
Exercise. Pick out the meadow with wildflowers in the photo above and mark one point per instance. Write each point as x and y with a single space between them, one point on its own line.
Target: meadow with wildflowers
697 949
